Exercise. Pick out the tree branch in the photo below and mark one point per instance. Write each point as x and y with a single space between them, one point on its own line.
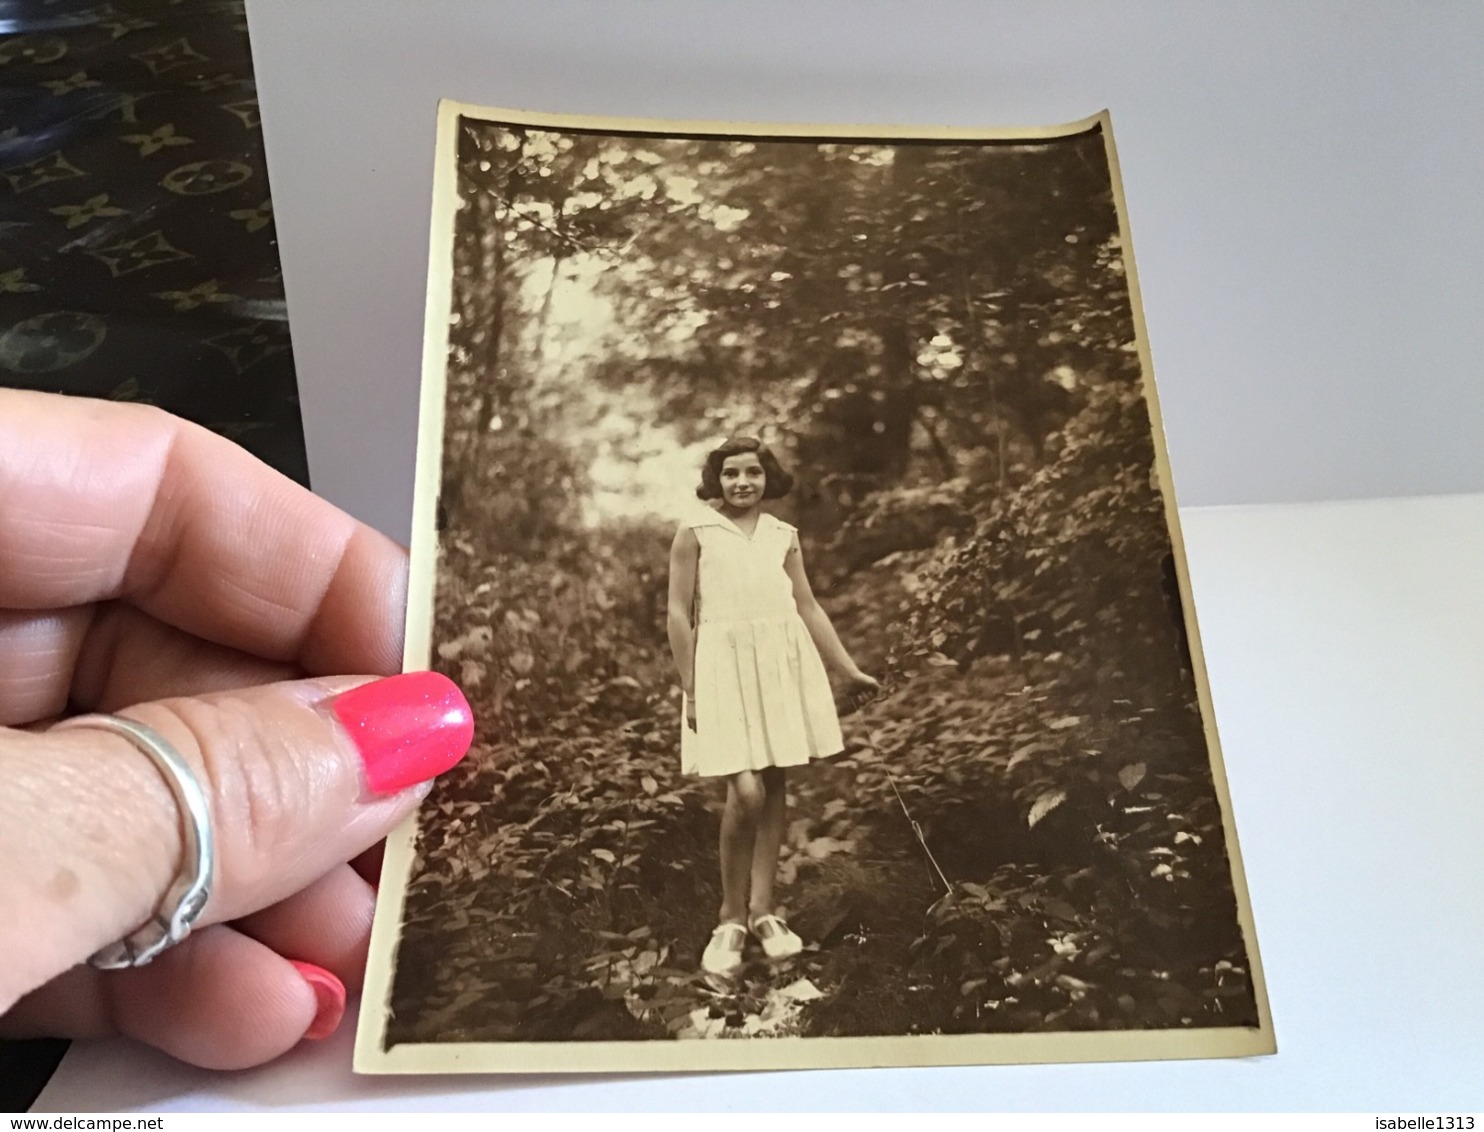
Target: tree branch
945 457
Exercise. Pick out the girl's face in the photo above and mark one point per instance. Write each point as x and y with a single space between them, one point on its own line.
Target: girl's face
742 481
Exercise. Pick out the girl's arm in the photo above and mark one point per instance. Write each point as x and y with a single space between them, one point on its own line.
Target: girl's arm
685 552
817 621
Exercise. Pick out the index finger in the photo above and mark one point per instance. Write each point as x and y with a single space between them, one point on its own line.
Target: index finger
102 501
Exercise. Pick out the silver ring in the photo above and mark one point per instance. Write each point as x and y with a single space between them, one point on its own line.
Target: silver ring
186 897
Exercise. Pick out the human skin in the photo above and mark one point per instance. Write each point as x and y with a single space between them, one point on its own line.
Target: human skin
152 569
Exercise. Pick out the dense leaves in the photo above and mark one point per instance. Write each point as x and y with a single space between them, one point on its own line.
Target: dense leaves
1023 833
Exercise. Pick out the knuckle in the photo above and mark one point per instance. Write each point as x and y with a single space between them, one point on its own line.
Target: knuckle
252 782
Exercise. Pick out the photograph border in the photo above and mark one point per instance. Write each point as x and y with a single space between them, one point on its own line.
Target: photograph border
772 1053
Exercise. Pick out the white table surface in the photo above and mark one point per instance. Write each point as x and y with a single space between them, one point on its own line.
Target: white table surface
1345 644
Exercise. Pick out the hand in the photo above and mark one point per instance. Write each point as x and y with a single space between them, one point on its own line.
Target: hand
860 688
151 569
690 712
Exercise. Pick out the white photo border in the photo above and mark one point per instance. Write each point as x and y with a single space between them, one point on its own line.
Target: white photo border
371 1055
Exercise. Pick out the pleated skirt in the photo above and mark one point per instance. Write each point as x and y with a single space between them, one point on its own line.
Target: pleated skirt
762 699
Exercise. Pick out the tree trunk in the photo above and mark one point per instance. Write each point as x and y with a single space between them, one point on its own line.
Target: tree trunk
899 404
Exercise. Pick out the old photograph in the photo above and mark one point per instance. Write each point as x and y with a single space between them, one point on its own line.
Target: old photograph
793 510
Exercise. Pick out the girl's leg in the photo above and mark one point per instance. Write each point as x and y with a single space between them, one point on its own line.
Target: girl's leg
746 798
769 839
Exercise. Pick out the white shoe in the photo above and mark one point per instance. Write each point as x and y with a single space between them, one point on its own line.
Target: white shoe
723 955
778 940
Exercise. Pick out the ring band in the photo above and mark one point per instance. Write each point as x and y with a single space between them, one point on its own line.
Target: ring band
184 900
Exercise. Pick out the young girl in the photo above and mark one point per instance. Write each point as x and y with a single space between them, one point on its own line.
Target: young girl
748 634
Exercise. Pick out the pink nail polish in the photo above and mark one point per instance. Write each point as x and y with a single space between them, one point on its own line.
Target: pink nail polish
329 998
408 728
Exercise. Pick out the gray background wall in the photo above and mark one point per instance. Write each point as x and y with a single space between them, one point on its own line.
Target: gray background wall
1303 181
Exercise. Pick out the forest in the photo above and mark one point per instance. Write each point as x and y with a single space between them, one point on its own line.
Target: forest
938 338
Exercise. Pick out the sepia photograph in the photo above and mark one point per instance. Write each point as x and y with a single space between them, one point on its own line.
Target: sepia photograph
793 510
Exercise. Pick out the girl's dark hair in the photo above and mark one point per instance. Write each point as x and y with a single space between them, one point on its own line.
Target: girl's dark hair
779 483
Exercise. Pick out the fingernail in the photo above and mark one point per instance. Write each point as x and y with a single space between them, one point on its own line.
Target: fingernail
329 998
408 728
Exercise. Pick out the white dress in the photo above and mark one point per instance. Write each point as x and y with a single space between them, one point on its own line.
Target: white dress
762 696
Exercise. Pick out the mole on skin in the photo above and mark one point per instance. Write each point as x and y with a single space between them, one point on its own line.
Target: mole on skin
63 886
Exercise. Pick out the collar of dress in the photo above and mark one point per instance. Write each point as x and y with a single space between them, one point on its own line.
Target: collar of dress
717 519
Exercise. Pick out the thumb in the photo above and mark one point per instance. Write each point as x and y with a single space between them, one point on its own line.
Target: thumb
299 777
